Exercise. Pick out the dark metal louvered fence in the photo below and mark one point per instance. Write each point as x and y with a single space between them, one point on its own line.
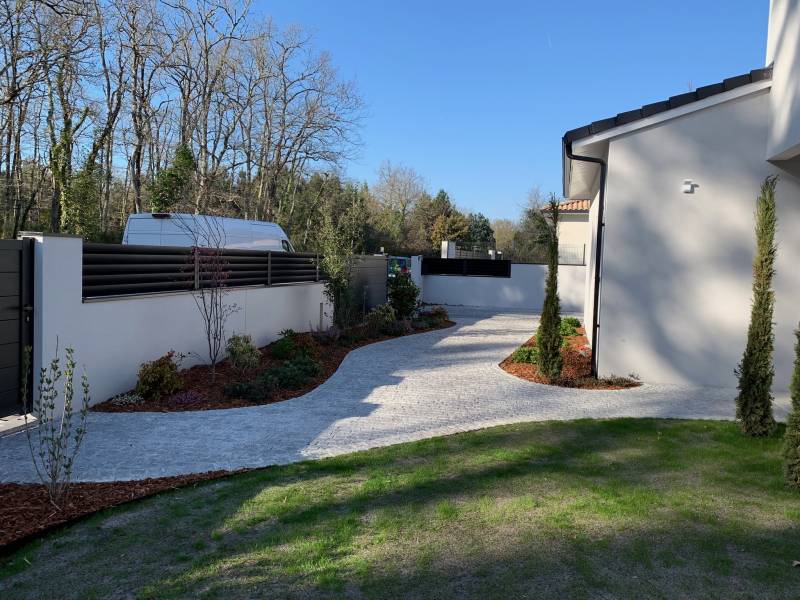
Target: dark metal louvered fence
471 267
124 270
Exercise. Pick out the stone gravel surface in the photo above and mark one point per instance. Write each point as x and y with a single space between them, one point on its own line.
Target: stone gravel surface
399 390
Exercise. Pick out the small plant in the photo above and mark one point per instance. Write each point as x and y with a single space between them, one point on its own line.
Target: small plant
127 399
399 327
284 348
54 439
244 356
261 388
159 377
440 313
525 354
434 317
756 370
791 443
379 320
295 373
571 321
567 329
403 295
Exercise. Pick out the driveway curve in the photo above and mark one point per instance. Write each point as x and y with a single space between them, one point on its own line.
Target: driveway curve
400 390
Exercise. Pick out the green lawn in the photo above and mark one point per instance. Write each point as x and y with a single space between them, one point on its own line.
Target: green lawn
623 508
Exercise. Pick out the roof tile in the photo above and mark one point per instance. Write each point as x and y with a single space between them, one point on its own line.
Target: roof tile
674 102
573 206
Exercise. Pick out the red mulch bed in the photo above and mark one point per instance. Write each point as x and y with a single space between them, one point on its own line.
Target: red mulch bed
26 510
577 369
201 393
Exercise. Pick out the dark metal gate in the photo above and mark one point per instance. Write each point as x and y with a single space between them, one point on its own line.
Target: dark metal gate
16 319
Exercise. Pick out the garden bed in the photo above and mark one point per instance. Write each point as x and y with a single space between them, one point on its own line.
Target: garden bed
577 369
200 392
26 510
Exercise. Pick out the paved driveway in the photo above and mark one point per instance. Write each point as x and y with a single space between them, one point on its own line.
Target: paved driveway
399 390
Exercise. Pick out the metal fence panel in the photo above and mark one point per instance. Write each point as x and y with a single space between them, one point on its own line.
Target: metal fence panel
120 270
469 267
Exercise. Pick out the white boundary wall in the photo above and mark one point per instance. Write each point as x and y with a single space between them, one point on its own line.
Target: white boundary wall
523 290
112 337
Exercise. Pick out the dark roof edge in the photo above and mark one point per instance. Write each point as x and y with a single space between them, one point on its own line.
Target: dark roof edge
649 110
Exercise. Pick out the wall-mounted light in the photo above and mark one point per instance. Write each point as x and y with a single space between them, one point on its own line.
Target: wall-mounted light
688 186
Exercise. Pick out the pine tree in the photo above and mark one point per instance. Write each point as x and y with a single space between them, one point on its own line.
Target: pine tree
755 372
791 447
548 337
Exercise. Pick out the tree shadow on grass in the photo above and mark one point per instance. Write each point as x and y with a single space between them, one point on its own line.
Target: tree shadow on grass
654 508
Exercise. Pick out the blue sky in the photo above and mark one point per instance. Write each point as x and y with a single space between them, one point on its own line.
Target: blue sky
475 96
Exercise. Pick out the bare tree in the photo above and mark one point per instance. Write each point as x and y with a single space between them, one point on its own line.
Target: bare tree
398 189
211 275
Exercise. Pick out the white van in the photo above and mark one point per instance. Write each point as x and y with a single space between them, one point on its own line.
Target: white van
175 229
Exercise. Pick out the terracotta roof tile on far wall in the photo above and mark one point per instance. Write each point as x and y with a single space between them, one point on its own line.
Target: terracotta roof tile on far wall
573 206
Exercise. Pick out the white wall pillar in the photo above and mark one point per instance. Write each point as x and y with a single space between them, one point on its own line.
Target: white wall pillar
416 274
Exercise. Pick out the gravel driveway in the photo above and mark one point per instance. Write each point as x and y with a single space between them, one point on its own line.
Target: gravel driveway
395 391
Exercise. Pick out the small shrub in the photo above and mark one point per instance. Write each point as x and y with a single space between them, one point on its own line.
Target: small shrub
127 399
53 439
399 327
159 377
261 388
379 320
288 333
295 373
525 354
284 348
403 295
567 329
572 321
246 390
435 316
440 313
244 356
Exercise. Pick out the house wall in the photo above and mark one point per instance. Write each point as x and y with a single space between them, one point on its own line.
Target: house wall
573 229
677 274
112 337
783 51
589 278
523 290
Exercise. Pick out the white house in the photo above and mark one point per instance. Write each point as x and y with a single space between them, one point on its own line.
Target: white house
673 187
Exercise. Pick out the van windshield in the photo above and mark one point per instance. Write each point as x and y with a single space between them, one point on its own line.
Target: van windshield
287 246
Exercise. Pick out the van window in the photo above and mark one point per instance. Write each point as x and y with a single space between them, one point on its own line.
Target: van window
287 247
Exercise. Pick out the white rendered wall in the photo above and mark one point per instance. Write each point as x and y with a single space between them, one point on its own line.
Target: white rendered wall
573 229
677 268
113 337
588 292
523 290
783 49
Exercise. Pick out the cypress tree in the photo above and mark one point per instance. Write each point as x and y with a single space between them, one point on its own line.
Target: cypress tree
791 445
755 371
548 337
